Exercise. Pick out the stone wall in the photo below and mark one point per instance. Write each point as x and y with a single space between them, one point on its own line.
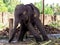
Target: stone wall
6 16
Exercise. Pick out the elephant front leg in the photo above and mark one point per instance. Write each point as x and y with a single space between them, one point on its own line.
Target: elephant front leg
14 30
23 31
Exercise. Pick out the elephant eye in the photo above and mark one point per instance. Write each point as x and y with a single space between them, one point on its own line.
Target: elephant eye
35 15
24 13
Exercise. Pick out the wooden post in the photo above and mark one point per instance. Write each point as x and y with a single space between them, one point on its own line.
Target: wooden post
43 12
10 27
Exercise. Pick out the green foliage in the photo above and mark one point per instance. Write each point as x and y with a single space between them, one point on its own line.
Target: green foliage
10 9
39 6
7 2
57 7
48 10
55 24
11 5
2 25
8 5
3 8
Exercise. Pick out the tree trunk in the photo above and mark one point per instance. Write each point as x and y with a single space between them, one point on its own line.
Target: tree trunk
2 16
10 27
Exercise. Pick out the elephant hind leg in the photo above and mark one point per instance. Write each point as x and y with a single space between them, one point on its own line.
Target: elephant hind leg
41 28
34 33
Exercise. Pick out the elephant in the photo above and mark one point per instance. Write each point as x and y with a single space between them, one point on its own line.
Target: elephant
28 16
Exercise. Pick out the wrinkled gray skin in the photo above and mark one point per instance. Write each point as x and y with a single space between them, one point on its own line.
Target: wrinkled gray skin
28 20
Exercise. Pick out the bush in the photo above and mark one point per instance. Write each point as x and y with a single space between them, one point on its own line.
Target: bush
55 24
1 26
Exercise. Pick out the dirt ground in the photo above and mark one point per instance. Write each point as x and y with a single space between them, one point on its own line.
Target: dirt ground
50 42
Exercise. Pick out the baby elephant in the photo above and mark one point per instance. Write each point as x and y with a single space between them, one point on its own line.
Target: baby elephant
28 17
